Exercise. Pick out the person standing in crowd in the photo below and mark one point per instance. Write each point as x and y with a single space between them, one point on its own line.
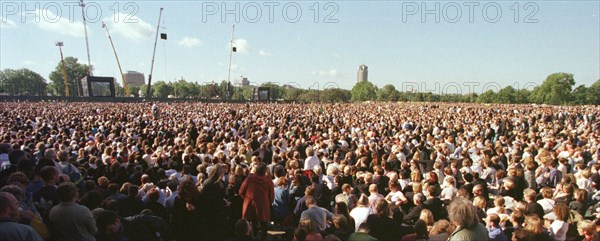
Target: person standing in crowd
213 193
69 220
187 216
370 142
9 228
258 193
462 214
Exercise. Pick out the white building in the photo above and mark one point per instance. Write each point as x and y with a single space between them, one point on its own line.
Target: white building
242 81
363 73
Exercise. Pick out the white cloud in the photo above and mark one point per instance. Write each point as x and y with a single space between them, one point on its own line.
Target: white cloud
264 53
49 21
329 73
130 27
241 46
7 23
337 56
29 62
190 42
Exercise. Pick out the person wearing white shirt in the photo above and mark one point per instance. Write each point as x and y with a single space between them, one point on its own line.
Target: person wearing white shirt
449 190
311 160
361 212
547 203
559 227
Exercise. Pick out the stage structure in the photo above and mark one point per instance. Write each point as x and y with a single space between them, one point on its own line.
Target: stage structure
95 86
261 94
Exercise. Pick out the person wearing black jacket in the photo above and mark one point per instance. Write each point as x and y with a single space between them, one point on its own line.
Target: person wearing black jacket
382 226
141 227
415 212
434 203
213 195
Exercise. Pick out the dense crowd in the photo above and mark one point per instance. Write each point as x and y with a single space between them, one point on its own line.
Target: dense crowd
368 171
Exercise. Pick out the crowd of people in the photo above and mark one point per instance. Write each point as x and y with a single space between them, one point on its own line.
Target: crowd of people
302 172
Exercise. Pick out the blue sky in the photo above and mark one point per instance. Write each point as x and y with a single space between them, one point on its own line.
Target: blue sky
391 37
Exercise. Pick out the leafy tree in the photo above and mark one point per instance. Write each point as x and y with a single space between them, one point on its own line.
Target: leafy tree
364 91
309 96
292 93
22 82
119 90
430 97
506 95
594 93
181 88
75 72
580 95
388 93
335 95
487 97
555 90
522 96
133 90
226 89
162 90
144 89
210 91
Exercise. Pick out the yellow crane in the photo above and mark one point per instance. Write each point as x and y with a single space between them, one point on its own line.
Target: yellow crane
117 57
64 70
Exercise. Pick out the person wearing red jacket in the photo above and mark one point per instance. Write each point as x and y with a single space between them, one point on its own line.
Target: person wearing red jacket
258 193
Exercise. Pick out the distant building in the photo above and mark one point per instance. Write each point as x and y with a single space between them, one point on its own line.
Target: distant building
363 73
134 78
242 81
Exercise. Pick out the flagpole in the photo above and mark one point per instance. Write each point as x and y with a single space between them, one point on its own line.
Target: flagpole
230 56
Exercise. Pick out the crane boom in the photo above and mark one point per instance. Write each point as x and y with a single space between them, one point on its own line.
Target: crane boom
117 57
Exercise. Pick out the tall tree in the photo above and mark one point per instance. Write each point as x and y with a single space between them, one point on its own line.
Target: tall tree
594 93
227 89
487 97
22 82
335 95
580 95
555 90
506 95
162 89
210 91
75 72
388 93
364 91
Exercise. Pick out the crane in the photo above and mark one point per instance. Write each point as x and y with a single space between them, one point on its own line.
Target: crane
149 90
64 71
117 57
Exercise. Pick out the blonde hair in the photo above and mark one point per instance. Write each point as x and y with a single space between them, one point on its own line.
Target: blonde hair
533 224
587 226
427 217
307 225
479 202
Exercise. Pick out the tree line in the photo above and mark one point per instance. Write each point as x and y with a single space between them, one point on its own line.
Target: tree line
556 89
